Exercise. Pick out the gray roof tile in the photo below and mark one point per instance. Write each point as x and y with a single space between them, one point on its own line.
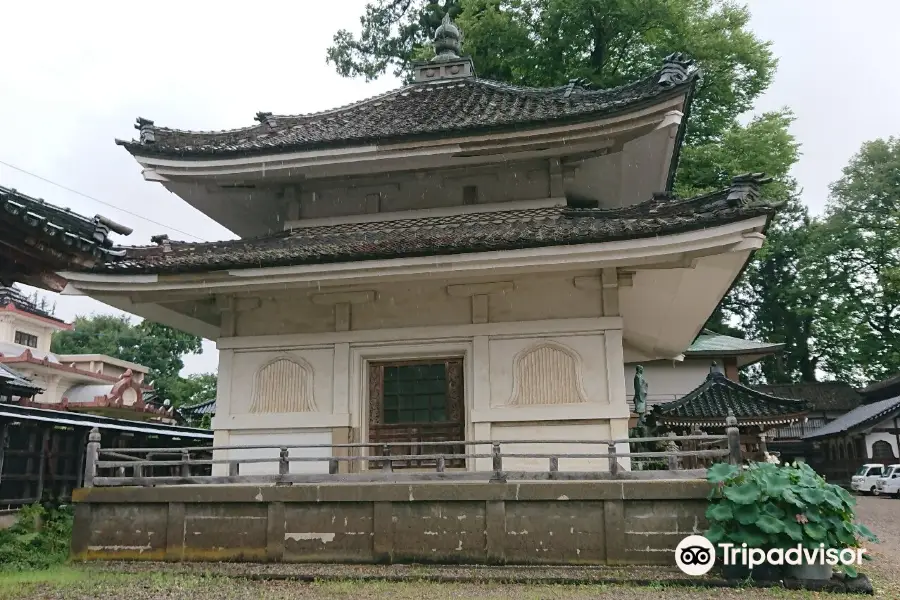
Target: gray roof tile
861 417
431 109
432 236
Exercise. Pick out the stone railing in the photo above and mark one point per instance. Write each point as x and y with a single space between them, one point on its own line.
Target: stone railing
193 466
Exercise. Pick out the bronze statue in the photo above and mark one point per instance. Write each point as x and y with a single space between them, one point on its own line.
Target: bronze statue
640 391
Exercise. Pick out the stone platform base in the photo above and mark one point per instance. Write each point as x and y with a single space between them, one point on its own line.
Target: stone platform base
517 522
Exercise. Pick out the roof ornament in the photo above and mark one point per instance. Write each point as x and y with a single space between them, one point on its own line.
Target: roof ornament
265 117
447 38
145 126
447 62
745 188
675 69
715 370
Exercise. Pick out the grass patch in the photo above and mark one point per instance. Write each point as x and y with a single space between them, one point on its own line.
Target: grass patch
39 539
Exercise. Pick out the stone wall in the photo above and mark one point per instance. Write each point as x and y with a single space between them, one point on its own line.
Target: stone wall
528 522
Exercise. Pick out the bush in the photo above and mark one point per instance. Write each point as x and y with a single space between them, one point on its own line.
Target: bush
768 506
39 540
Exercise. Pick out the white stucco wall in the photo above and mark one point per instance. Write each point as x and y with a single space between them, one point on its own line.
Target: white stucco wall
667 381
545 366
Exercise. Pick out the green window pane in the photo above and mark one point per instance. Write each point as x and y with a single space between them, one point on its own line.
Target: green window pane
407 387
438 415
390 387
390 402
406 416
391 416
421 402
438 401
390 373
422 416
405 402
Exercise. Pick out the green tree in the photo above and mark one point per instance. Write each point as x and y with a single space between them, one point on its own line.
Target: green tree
861 244
549 42
158 347
194 389
612 42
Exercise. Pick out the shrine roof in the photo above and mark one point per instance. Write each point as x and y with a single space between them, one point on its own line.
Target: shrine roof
709 343
12 296
859 419
14 382
39 236
457 234
423 110
711 402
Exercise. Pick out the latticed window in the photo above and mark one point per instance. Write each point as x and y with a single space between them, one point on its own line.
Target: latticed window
415 393
418 404
26 339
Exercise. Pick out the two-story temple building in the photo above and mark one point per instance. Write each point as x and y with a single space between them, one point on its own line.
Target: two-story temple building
455 259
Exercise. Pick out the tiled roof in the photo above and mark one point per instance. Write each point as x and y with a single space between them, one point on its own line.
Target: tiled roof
861 417
68 229
463 233
830 396
714 344
208 407
421 110
11 295
710 403
43 239
881 390
16 383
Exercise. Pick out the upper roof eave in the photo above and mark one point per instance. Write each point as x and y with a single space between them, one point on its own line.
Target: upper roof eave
446 127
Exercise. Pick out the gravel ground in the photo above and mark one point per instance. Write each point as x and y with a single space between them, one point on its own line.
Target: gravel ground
151 581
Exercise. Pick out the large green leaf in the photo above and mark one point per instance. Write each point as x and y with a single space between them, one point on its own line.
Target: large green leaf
866 533
792 498
814 496
814 531
770 524
720 511
833 500
716 533
721 472
746 514
850 571
773 510
793 529
753 539
746 493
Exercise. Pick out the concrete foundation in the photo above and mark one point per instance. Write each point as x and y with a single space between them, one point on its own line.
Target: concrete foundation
531 522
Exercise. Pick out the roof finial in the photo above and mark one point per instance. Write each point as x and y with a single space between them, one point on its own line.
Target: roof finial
716 370
145 126
675 69
447 39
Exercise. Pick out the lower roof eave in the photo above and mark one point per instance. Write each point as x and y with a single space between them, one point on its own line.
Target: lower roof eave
741 422
734 236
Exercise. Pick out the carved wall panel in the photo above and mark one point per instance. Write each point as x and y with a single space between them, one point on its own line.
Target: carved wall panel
284 385
547 374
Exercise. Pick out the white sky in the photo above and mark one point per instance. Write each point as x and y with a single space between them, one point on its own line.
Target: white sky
73 77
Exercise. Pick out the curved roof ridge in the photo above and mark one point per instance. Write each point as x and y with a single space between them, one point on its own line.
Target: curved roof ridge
318 113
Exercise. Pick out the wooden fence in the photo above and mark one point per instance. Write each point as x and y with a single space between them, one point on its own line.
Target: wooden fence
193 466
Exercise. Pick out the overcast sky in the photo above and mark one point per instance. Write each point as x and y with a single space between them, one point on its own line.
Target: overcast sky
73 77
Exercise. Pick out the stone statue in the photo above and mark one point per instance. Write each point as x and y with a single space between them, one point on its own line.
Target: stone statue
640 391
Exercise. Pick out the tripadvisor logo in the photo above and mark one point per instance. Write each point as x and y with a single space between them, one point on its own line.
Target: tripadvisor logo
695 555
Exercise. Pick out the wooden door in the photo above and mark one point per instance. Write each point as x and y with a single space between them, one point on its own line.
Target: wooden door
416 402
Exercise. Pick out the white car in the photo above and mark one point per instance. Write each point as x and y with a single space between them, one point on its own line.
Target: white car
886 476
890 487
864 480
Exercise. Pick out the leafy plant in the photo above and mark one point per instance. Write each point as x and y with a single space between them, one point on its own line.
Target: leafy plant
39 539
768 506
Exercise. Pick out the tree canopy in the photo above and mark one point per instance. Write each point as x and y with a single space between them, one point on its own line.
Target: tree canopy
158 347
